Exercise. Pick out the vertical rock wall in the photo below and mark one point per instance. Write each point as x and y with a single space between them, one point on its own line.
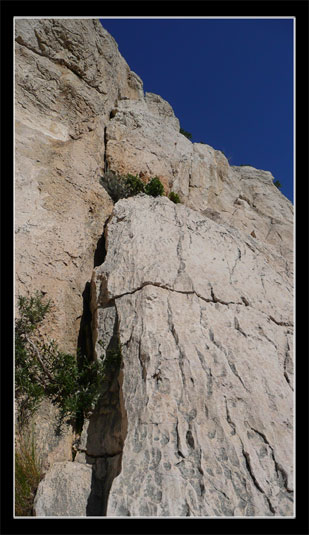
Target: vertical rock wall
198 419
68 76
205 324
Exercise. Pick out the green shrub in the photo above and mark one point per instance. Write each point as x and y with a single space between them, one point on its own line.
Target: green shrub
174 197
72 382
28 390
28 473
75 382
185 133
120 187
277 184
154 187
134 184
115 185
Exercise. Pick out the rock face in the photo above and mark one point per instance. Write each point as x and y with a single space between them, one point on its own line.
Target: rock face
198 420
68 76
205 318
64 491
143 137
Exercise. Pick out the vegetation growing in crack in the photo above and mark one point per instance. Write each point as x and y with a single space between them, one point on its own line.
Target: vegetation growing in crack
28 473
277 184
154 187
115 185
120 187
134 185
188 135
71 382
174 197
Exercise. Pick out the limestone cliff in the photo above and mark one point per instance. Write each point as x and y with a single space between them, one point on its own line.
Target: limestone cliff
68 76
199 295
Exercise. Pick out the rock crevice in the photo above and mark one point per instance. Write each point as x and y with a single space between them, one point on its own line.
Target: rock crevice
180 351
196 419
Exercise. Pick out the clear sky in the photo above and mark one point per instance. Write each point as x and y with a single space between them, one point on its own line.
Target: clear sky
229 81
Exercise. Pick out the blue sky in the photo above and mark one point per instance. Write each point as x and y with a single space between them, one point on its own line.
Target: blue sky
229 81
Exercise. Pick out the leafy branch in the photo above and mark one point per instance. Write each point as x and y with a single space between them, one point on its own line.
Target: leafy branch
71 382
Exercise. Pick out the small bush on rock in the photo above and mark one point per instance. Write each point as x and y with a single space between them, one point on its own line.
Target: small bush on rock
154 187
277 184
134 185
122 187
174 197
115 185
72 382
28 390
185 133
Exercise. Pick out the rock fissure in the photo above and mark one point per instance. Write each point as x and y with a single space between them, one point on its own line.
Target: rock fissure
57 61
195 294
103 456
238 258
238 328
253 478
235 372
213 299
228 358
105 150
228 417
261 330
281 473
179 452
288 380
178 346
281 323
287 364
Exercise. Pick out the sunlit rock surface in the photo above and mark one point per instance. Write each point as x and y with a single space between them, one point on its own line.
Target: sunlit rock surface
205 323
199 419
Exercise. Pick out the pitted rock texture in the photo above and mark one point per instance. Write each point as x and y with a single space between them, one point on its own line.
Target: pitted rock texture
64 491
198 421
143 138
51 445
68 76
205 323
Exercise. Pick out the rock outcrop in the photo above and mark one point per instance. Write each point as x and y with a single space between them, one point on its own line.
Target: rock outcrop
198 420
65 492
68 76
204 322
143 138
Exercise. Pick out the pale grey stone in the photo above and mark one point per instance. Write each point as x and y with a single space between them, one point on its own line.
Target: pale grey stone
68 75
199 419
64 491
204 344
